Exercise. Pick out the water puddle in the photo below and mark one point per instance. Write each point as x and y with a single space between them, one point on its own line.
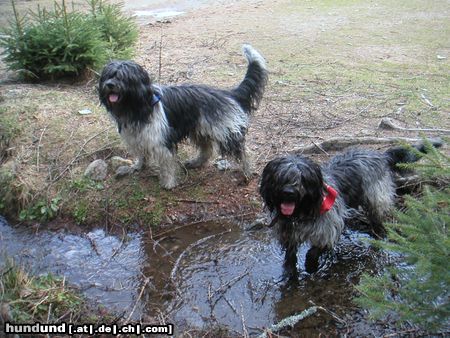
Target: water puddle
159 14
200 275
106 268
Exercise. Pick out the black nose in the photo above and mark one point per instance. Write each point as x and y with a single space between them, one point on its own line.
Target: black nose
289 193
109 84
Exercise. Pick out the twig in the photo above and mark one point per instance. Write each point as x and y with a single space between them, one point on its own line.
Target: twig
244 328
427 101
48 314
195 201
230 283
331 313
230 305
78 155
39 147
387 123
180 257
320 148
146 281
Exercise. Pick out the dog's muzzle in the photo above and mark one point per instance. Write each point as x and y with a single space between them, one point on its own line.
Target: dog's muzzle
111 92
289 196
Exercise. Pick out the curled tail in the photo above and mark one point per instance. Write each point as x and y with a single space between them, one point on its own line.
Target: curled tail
402 154
250 91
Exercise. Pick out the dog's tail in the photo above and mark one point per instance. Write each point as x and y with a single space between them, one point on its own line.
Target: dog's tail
402 154
250 91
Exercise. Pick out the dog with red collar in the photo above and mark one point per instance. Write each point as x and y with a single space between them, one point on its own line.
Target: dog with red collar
311 203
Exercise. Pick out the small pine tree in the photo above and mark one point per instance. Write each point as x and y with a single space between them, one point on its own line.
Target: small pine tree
117 30
417 288
59 42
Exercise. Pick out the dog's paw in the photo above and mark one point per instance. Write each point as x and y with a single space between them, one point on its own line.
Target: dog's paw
124 171
168 185
193 164
313 259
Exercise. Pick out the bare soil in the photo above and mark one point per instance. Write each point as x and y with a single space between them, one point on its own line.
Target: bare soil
335 69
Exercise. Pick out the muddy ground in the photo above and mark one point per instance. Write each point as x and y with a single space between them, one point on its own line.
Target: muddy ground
336 69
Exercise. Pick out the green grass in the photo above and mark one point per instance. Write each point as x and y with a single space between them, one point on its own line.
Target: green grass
37 298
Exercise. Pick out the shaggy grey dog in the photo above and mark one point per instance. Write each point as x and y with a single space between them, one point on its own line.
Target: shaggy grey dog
153 119
311 203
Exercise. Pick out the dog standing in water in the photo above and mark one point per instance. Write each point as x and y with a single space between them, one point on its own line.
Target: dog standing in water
311 203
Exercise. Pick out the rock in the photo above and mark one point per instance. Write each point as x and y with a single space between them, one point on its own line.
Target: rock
97 170
85 111
223 164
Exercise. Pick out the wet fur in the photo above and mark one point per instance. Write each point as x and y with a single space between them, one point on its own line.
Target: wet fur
363 179
212 118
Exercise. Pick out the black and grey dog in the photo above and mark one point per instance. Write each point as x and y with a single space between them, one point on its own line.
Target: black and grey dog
153 119
311 203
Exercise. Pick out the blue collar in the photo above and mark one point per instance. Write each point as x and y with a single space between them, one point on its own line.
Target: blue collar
155 99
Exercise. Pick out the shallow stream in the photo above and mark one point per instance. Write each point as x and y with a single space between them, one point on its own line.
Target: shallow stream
200 275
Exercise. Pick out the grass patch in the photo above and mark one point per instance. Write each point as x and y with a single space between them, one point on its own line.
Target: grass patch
37 298
9 129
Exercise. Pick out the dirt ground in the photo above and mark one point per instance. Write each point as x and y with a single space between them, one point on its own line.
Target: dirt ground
336 69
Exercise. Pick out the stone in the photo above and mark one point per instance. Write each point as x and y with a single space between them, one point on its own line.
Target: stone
97 170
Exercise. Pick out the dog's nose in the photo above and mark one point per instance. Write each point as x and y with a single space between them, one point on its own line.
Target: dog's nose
289 193
109 84
288 190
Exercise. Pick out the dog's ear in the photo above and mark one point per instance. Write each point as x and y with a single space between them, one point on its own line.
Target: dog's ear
268 184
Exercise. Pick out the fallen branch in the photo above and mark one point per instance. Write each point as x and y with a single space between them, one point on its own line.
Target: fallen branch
146 281
289 321
195 201
387 123
339 143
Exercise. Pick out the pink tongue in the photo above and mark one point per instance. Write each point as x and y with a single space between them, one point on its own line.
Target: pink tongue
287 209
113 98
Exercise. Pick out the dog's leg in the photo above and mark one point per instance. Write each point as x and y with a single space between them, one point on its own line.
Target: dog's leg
245 163
379 201
168 169
290 262
312 258
128 170
206 150
377 229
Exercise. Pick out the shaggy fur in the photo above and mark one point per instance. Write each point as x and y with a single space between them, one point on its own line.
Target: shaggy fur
153 119
294 187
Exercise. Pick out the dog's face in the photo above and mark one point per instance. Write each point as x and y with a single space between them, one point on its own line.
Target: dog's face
292 187
125 88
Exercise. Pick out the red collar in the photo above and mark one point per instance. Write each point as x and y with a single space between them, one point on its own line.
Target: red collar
328 199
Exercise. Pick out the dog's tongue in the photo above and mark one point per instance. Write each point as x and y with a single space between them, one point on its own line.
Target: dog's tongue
113 98
287 209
